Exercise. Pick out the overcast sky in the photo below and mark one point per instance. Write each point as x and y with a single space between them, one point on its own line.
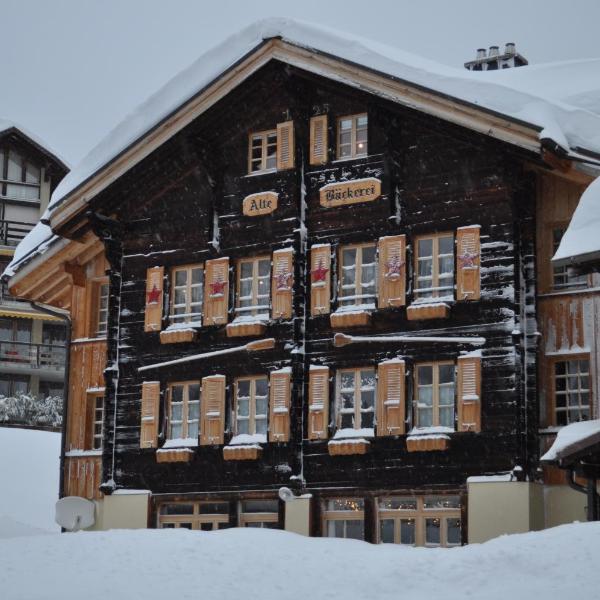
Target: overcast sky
72 69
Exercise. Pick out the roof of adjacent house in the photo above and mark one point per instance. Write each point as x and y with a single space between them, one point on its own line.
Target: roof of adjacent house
572 440
559 101
581 242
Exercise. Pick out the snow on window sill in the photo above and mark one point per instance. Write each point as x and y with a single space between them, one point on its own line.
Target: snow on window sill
355 309
437 432
262 172
73 453
441 300
180 443
191 325
245 439
350 434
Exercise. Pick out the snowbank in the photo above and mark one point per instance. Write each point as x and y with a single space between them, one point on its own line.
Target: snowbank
573 437
29 476
274 565
581 241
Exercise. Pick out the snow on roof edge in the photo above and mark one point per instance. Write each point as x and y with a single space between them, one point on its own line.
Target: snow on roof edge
572 438
459 84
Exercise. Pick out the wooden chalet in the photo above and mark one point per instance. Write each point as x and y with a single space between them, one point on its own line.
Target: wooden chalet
313 275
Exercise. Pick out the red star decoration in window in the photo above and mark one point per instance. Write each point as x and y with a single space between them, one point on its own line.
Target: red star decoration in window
320 273
467 259
217 288
153 295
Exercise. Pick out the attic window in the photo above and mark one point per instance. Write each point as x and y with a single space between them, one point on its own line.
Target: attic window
352 136
262 153
19 178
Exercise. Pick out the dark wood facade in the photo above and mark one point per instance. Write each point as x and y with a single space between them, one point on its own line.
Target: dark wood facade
183 205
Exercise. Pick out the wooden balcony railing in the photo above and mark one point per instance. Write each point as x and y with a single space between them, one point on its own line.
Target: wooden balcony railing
12 232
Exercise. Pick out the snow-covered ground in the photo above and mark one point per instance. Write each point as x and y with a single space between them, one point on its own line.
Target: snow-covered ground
246 564
29 463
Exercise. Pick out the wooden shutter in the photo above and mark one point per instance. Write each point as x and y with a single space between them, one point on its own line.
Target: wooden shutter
318 403
318 140
149 414
391 400
279 409
285 145
216 291
320 277
212 410
468 272
469 393
392 271
282 284
154 299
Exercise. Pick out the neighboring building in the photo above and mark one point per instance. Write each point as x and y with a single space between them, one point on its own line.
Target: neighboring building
326 270
493 60
32 343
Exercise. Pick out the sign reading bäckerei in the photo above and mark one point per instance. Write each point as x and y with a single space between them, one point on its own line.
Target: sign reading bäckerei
350 192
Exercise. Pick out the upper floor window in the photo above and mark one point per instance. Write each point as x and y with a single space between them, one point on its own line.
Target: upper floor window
434 394
434 268
254 287
352 136
187 294
184 411
356 398
95 420
19 178
100 289
262 154
572 392
251 405
429 521
358 281
562 277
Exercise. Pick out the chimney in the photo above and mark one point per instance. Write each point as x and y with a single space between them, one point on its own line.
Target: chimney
510 48
480 54
493 60
493 53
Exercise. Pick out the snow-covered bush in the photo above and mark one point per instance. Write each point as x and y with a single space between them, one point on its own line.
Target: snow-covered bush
25 409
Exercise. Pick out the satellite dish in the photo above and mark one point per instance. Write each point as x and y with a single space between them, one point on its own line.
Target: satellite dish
286 494
74 513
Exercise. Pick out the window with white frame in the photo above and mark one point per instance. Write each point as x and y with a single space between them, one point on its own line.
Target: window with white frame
355 398
434 394
186 294
184 411
430 521
352 136
262 514
434 266
251 405
358 276
101 290
344 518
203 516
19 178
572 393
95 420
254 288
563 277
262 151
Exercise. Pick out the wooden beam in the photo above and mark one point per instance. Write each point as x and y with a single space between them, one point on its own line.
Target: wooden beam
77 273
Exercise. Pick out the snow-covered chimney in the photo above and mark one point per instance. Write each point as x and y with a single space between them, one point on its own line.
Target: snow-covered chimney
510 48
481 52
493 53
492 60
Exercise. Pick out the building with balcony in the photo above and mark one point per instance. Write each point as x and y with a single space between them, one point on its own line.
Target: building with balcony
32 342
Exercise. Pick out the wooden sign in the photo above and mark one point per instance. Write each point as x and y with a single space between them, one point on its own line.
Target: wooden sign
260 204
350 192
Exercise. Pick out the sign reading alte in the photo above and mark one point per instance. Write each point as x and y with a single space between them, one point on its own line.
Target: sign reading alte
350 192
263 203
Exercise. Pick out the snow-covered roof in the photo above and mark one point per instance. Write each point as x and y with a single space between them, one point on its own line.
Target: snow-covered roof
7 125
573 438
581 241
561 100
36 242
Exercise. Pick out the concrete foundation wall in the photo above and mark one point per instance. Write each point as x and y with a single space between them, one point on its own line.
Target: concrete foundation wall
122 511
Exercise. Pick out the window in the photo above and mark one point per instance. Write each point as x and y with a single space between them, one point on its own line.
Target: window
434 395
344 518
352 136
254 288
434 268
95 420
51 389
355 398
15 342
259 513
100 325
187 293
420 521
203 516
358 275
262 154
12 386
19 178
562 277
184 411
251 405
572 391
